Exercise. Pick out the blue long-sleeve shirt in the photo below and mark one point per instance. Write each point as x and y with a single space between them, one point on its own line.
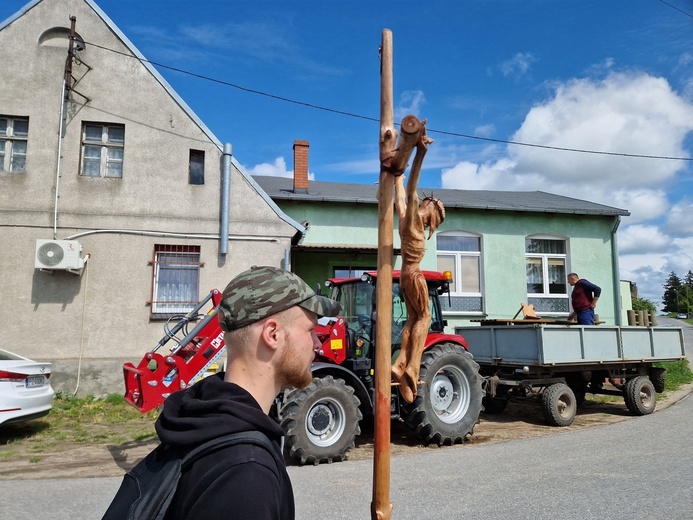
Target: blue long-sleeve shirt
584 292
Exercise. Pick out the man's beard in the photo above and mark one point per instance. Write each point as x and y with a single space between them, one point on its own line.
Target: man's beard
292 369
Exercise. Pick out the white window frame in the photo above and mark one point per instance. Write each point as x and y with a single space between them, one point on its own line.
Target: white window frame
545 259
13 145
107 152
457 277
176 279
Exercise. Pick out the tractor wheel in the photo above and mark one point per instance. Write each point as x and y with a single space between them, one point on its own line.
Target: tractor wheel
320 421
559 405
639 395
447 407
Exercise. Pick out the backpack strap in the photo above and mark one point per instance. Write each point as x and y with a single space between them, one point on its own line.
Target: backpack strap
248 437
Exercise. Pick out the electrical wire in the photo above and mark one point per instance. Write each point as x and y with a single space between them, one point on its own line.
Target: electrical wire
368 118
677 9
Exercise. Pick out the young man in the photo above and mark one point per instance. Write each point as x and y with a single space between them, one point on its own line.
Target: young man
584 299
268 316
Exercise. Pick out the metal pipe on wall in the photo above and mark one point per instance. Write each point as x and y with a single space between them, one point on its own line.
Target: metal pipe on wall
287 260
146 233
618 303
225 196
57 170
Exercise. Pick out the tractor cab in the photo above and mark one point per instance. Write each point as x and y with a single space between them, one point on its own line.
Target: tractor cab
358 296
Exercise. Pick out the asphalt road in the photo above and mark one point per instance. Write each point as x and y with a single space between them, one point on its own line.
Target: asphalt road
687 331
641 468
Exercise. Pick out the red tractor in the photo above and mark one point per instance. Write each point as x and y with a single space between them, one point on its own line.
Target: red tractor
322 420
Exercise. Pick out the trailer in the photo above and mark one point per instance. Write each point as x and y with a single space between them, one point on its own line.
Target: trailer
559 363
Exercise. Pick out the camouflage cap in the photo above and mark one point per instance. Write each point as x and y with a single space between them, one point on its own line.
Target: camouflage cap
263 291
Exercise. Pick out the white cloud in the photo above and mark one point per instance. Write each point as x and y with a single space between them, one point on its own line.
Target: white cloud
277 169
680 219
485 130
600 68
644 204
518 65
472 176
410 102
366 166
642 239
634 114
685 60
647 272
681 261
650 270
624 113
631 113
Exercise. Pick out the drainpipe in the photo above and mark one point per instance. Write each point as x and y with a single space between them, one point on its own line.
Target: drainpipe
225 194
286 262
60 154
617 275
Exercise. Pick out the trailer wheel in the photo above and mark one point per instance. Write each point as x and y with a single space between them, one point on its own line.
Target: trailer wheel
639 395
447 407
320 421
559 405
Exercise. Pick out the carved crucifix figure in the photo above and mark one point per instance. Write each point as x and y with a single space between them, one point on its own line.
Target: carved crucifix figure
414 219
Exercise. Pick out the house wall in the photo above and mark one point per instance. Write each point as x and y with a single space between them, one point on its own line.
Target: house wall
316 267
503 255
336 223
89 325
503 234
626 301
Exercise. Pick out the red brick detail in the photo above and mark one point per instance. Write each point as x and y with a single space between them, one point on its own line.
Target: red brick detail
301 166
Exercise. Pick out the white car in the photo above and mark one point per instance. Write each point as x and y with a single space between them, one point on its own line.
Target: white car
25 389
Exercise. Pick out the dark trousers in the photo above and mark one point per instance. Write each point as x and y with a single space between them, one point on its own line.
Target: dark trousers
585 317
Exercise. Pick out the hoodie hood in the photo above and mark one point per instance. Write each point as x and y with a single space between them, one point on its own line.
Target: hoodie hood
209 409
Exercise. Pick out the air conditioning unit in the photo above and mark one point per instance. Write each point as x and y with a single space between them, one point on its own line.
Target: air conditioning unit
58 255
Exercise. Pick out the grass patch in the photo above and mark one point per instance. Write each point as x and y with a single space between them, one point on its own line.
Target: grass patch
75 421
678 373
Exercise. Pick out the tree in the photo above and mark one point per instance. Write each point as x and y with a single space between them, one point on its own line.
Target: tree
643 304
688 280
671 293
685 300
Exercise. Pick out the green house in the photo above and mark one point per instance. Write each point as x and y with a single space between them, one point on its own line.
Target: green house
503 248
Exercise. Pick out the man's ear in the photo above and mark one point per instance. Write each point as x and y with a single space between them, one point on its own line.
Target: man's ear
271 332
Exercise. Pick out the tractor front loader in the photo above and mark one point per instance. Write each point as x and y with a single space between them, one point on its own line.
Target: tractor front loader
198 343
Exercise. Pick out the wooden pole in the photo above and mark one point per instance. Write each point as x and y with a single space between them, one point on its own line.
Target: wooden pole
381 508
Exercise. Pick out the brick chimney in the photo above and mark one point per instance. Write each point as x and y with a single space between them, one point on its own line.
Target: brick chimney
301 166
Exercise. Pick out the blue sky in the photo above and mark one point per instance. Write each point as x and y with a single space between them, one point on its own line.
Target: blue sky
600 75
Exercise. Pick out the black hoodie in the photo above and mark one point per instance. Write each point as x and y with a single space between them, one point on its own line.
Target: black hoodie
244 479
